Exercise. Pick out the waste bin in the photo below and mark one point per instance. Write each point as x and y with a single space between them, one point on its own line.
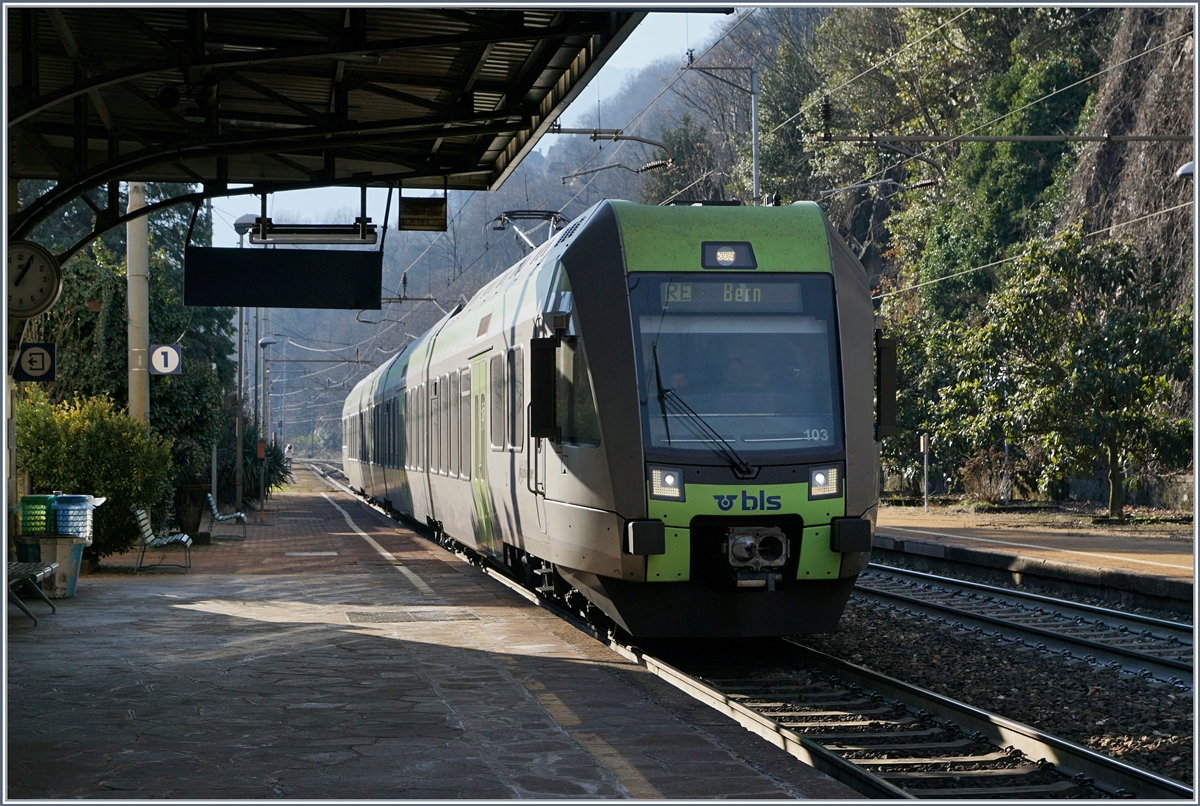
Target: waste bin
37 515
64 529
73 515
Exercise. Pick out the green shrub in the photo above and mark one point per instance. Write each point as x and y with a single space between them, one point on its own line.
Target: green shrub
87 446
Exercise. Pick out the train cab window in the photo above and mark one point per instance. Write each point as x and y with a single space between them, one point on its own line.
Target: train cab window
574 405
455 434
516 398
752 358
496 401
464 425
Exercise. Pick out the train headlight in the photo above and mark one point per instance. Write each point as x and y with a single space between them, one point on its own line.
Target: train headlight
666 484
824 482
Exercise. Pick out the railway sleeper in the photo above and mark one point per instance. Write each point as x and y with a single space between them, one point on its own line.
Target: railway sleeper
822 738
951 765
797 702
807 714
933 747
917 761
956 777
1057 789
865 724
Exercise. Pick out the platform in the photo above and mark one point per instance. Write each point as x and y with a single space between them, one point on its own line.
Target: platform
334 654
1146 565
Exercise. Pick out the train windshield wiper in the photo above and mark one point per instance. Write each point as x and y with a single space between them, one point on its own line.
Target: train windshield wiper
670 399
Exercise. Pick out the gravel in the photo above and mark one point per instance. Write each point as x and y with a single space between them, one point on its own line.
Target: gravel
963 572
1141 722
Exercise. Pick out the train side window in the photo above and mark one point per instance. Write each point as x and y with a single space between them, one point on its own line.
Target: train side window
497 402
444 464
411 412
455 434
362 434
435 434
575 406
400 429
395 431
464 425
421 427
516 398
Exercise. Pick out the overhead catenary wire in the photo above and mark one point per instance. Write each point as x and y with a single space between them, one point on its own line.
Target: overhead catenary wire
1002 261
633 123
1022 108
870 69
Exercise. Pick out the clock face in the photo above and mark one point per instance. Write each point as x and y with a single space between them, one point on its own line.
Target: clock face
34 279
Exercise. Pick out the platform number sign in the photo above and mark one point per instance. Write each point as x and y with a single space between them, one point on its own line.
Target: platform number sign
166 359
36 362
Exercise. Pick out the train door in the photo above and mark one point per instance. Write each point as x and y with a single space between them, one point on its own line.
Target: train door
537 475
486 529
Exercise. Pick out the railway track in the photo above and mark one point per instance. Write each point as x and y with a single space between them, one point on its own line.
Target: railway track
1134 643
849 722
882 737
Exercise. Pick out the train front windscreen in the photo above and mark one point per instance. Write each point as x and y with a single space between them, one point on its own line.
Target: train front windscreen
748 360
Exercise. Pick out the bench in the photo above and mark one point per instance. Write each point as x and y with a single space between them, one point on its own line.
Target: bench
152 541
28 575
215 517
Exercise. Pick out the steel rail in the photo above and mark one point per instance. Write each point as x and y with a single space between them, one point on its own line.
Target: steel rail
806 750
1132 660
1120 617
1166 669
1068 757
1071 760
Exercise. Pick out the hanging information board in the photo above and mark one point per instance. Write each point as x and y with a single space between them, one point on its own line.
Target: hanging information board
425 213
340 279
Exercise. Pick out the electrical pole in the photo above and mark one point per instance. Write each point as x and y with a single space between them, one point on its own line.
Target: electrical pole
137 262
925 450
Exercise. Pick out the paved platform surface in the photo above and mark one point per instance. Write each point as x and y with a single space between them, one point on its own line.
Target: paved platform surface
1161 550
312 661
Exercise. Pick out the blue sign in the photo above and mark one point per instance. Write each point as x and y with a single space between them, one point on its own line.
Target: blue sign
166 359
36 362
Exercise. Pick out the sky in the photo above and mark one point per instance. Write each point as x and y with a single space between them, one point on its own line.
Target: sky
660 35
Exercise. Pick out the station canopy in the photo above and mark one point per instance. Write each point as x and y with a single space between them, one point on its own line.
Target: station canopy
286 97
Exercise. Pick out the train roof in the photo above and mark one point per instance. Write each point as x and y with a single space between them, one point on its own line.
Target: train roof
794 238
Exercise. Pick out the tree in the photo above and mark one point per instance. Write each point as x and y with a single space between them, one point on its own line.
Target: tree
88 446
694 175
1080 349
89 325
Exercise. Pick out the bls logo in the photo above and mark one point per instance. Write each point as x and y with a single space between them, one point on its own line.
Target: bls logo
750 502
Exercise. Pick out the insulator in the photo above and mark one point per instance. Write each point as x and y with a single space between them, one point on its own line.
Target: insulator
826 110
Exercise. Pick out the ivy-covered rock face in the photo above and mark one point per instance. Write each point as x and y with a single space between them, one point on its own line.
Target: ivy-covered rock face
87 446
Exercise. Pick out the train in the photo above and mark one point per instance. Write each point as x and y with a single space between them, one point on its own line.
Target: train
674 412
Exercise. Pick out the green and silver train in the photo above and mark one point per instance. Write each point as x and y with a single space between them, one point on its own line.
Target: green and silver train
670 411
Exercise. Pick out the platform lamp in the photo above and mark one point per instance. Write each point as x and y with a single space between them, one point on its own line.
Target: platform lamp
242 225
263 344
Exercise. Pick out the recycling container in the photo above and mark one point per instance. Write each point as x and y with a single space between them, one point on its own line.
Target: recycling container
63 529
73 515
37 514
